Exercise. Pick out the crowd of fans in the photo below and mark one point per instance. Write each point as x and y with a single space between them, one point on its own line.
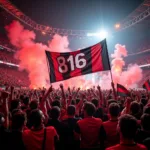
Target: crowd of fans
12 76
141 46
73 119
145 46
69 119
144 60
5 42
146 73
8 57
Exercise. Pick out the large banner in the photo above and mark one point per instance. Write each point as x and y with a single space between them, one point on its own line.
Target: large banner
63 66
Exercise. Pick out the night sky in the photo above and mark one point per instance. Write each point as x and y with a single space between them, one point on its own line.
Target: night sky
77 14
85 15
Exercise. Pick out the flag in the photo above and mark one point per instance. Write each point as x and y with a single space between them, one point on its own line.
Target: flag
122 91
146 85
63 66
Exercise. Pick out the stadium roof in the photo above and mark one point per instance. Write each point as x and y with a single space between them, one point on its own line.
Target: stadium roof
78 15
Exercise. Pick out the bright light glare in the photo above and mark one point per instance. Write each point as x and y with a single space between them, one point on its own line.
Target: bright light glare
92 34
102 34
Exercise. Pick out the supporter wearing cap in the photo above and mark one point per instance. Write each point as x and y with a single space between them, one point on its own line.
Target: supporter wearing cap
127 128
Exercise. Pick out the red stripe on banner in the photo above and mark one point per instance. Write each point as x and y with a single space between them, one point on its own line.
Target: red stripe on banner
58 75
97 64
122 90
147 86
77 71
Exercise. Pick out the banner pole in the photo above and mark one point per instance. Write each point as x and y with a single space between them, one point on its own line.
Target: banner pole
48 67
112 82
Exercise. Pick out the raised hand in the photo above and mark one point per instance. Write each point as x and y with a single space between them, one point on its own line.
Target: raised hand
51 88
68 88
61 86
79 89
98 87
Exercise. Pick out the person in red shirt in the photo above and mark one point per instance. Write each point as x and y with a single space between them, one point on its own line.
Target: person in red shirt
110 126
127 128
39 137
90 129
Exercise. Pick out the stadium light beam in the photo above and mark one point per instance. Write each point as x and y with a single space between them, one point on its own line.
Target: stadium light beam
101 34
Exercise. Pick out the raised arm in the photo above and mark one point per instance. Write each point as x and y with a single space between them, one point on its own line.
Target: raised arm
64 104
43 102
101 100
4 97
47 93
76 93
11 93
79 105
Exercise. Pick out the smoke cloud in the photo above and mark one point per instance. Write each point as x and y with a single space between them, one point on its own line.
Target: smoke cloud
32 55
32 59
59 44
128 78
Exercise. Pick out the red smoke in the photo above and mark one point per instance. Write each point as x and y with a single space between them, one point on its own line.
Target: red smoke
32 55
128 78
59 44
32 58
131 76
